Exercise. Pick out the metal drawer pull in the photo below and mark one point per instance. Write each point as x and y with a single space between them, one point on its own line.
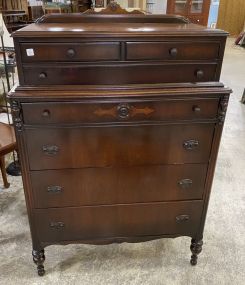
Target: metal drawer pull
173 52
182 218
42 75
199 74
190 144
185 183
50 149
123 111
54 189
46 113
71 52
57 225
196 109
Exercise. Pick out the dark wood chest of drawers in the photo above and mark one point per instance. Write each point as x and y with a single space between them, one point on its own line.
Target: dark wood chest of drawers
118 128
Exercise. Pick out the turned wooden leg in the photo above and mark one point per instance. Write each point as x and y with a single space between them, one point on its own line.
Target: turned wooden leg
3 171
196 248
39 258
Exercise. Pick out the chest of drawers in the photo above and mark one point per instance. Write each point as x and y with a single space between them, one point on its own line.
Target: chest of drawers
118 128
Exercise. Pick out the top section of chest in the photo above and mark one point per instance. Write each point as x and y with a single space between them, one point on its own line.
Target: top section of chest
117 50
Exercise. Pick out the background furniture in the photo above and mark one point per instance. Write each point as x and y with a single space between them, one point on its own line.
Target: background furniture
15 19
35 12
125 148
7 145
196 11
56 7
15 14
231 16
81 5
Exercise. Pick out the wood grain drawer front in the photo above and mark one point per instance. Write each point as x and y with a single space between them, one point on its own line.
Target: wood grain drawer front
75 74
95 186
35 52
111 146
72 112
118 221
172 50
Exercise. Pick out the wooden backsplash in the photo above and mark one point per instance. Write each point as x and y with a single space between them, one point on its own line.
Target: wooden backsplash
231 16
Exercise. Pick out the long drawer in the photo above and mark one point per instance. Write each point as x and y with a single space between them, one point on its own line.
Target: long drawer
118 221
121 73
100 186
80 112
56 148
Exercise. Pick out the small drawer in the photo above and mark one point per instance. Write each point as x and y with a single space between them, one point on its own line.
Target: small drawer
97 51
59 148
172 50
95 222
78 112
117 185
109 74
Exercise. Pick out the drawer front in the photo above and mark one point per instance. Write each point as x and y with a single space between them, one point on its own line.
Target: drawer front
172 50
76 74
34 52
118 221
111 146
75 112
99 186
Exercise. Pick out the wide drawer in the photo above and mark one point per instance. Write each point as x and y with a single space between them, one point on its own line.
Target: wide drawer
97 51
78 112
56 148
172 50
99 186
91 74
118 221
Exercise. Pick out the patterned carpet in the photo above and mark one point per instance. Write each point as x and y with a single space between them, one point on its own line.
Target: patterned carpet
163 261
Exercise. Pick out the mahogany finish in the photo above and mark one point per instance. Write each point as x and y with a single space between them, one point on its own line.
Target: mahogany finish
110 73
71 51
102 221
151 183
107 146
187 50
118 127
107 111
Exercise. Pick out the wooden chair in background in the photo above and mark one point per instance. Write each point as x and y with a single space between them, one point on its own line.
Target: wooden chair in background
7 145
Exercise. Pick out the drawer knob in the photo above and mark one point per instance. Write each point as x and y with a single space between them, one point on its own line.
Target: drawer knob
182 218
199 74
190 144
54 189
196 109
42 75
46 113
185 183
57 225
123 111
173 52
71 52
50 149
